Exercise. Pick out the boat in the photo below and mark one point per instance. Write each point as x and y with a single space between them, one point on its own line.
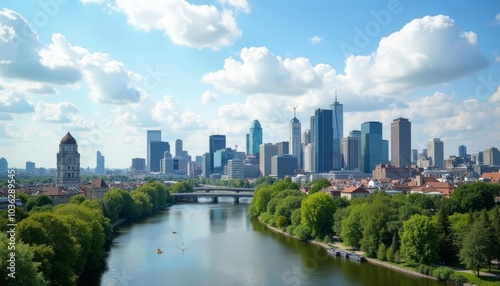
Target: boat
159 251
356 257
174 232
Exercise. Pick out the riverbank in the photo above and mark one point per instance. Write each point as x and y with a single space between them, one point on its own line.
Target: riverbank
341 246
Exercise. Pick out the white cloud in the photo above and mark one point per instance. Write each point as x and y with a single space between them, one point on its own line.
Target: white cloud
6 116
495 97
186 24
315 40
55 112
12 102
261 71
22 54
496 21
208 97
170 112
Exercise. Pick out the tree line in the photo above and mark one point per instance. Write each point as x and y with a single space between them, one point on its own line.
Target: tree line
414 229
54 244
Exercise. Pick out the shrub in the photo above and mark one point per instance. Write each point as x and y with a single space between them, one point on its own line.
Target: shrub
390 255
382 252
281 221
302 232
457 279
442 273
424 269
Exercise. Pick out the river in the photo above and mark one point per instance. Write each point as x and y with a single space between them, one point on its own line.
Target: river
219 244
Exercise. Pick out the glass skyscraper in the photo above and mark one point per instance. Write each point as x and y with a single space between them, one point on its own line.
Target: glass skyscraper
215 142
371 145
295 145
255 138
338 132
323 141
152 135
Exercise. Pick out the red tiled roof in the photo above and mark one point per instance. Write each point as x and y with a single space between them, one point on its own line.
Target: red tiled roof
354 190
493 176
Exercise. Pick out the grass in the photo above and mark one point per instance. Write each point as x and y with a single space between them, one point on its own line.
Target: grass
480 281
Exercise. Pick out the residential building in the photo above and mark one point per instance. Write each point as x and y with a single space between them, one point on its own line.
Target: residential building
354 192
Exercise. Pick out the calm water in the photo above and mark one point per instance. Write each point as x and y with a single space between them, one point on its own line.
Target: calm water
223 246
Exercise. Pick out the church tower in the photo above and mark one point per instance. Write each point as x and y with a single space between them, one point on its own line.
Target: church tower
68 163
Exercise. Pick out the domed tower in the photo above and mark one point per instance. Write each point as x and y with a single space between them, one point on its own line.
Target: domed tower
68 162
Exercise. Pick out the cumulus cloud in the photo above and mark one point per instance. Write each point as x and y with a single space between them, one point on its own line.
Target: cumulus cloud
55 112
185 24
12 102
208 97
22 56
261 71
169 111
495 97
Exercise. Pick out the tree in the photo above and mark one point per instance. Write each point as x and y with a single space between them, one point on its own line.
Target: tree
446 251
419 240
489 230
261 198
78 199
287 205
38 201
375 226
495 239
26 269
319 184
476 196
352 228
317 212
475 252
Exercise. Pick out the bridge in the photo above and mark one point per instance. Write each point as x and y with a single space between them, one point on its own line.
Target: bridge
209 188
193 197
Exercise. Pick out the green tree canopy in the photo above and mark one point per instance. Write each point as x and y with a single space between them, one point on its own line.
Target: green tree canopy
419 240
475 251
476 196
445 246
261 198
352 227
317 213
319 184
38 201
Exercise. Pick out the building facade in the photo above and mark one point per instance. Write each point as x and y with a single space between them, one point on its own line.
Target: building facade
138 164
151 135
235 169
491 157
295 142
435 151
157 152
283 166
401 142
371 145
323 141
255 138
215 142
68 163
100 166
351 151
338 132
267 151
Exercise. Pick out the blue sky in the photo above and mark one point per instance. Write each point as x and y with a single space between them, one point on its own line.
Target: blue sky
108 70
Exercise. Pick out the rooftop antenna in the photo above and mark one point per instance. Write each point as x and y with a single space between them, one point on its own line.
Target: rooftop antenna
336 96
294 109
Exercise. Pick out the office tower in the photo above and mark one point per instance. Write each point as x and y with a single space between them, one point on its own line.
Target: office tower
308 164
215 142
235 169
283 165
205 165
306 137
152 135
323 141
255 137
267 151
178 148
491 157
221 157
435 150
462 151
283 147
247 140
294 140
385 152
371 145
68 163
4 165
30 168
338 132
351 151
401 142
477 157
414 156
138 164
157 152
100 169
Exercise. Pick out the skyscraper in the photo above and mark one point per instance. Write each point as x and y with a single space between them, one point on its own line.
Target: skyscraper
157 152
267 151
351 151
371 145
255 137
338 132
68 163
4 165
152 135
178 147
401 142
323 141
435 151
295 145
462 151
283 147
215 142
414 156
99 169
30 168
138 164
491 156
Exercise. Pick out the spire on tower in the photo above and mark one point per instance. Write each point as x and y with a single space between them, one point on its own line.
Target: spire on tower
294 109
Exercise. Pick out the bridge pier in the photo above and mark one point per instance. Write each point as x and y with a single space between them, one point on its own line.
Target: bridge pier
195 199
215 199
236 200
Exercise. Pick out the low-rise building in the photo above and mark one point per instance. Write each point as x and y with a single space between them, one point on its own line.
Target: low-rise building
354 192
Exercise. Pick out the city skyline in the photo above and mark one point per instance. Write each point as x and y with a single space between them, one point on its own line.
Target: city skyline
109 79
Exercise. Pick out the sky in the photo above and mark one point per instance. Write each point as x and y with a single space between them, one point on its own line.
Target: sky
108 70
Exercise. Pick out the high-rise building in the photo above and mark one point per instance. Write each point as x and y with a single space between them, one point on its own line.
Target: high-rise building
323 141
435 150
283 147
205 165
338 132
308 153
178 148
4 165
477 157
157 152
267 151
414 156
152 135
30 167
235 169
371 145
351 151
100 168
462 151
401 142
385 152
68 163
283 165
221 157
295 144
138 165
306 137
255 137
215 142
491 157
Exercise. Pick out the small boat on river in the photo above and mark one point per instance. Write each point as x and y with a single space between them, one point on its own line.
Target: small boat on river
159 251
